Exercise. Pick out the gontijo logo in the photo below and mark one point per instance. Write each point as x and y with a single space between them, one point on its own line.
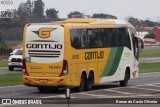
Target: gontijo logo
43 47
44 32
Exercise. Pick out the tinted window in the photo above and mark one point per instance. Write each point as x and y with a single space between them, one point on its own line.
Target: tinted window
135 43
75 38
18 52
99 38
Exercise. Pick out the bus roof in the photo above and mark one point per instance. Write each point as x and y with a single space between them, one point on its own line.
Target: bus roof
80 20
86 22
98 21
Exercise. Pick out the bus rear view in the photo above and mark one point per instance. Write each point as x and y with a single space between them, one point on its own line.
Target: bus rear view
43 55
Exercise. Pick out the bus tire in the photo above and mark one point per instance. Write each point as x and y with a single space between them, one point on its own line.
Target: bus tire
90 81
53 89
82 83
41 89
124 82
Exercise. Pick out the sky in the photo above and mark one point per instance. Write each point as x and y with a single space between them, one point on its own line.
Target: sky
141 9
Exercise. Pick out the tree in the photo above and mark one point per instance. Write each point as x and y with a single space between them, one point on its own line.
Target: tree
38 9
102 15
25 10
151 35
135 22
149 23
75 14
52 13
3 46
139 24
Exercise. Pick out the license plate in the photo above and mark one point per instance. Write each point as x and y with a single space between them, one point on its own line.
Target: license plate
43 80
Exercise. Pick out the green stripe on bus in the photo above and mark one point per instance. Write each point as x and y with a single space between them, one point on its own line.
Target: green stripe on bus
116 61
113 61
109 62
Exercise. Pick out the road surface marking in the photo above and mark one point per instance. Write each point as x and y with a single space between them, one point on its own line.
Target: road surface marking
93 95
154 85
134 86
55 96
147 84
12 86
118 91
86 93
145 89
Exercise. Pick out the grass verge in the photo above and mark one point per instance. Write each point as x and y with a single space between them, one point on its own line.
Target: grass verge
149 53
10 79
3 63
149 67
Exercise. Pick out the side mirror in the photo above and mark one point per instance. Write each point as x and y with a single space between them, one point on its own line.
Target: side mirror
11 54
140 41
142 44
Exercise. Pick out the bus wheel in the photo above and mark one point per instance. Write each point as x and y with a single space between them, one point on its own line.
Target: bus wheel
82 83
90 81
124 82
42 89
53 89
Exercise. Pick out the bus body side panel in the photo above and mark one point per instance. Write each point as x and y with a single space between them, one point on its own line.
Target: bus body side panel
86 60
111 67
117 64
71 79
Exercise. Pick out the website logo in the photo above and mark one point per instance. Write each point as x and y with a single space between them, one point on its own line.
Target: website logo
6 13
7 9
6 101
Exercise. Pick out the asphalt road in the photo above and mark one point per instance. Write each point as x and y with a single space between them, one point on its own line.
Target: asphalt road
146 86
5 70
149 60
152 47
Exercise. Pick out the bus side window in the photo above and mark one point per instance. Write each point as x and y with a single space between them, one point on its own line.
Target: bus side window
135 43
135 46
105 38
84 39
116 38
91 36
75 38
126 39
109 37
98 39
